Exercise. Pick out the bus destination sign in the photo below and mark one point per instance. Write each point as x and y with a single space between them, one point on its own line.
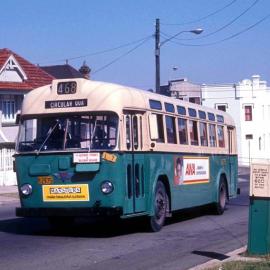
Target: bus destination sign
66 88
64 104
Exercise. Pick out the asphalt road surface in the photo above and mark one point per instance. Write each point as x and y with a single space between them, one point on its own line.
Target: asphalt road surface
188 239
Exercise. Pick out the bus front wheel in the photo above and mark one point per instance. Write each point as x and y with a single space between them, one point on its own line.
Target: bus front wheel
222 198
160 208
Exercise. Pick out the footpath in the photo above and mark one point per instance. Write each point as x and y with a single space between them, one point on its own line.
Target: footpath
8 194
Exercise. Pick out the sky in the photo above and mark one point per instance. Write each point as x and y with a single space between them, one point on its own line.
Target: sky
116 38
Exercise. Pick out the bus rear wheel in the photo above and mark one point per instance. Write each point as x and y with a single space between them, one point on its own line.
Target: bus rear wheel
160 208
222 198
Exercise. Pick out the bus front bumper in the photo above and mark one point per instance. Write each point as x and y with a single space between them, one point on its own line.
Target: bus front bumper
68 212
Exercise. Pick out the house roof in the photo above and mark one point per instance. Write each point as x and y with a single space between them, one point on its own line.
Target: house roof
63 71
36 77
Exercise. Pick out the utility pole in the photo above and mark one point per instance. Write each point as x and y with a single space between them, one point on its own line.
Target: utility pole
157 56
196 31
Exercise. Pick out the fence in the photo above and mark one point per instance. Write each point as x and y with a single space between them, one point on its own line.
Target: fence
7 176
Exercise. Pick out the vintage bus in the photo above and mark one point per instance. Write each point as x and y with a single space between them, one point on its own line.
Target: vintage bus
89 148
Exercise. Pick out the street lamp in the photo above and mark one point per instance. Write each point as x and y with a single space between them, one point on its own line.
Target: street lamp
159 44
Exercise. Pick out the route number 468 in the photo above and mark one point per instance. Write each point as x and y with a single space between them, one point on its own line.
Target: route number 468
65 88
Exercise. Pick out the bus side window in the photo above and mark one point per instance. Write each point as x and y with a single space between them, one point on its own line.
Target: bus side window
170 129
193 132
212 135
128 137
182 131
141 132
160 128
203 134
221 140
135 132
156 127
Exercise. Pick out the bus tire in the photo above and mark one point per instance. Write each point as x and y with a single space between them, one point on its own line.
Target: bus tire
160 208
220 205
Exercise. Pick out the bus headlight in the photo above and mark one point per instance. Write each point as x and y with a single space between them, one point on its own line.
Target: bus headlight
26 189
107 187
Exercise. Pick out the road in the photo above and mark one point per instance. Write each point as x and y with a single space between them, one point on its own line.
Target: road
189 238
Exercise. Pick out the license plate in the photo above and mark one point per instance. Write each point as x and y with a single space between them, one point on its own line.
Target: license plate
65 193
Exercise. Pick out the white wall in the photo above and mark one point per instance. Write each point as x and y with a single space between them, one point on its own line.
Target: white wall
255 93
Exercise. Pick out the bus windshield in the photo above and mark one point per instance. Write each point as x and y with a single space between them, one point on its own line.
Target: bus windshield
53 133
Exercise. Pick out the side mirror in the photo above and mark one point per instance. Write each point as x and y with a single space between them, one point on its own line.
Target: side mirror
153 126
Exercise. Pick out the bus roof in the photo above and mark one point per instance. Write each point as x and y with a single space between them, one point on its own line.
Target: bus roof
98 96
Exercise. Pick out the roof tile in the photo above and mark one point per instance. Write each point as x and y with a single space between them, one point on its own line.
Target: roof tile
36 77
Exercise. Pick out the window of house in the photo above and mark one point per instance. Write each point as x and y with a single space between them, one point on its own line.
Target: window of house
221 108
203 134
221 140
193 132
170 129
8 110
212 135
182 131
194 100
248 113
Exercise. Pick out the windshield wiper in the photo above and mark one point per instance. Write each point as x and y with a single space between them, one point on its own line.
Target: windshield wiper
48 136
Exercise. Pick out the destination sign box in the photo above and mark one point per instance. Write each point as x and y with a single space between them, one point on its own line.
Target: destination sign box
64 104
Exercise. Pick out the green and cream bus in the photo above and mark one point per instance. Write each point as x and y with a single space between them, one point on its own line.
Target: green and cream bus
89 148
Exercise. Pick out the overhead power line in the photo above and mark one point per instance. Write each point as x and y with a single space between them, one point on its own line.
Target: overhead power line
98 52
226 25
122 55
222 40
204 17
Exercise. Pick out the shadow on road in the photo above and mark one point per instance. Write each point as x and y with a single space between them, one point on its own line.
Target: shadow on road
81 227
98 228
211 254
104 228
89 228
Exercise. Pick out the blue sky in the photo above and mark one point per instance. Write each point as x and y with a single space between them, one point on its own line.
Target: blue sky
47 32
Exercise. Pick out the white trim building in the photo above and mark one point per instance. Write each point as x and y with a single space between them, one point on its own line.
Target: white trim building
249 103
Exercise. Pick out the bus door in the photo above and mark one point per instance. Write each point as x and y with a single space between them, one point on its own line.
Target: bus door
134 163
232 161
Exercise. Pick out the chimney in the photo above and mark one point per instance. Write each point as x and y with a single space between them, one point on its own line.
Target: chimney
85 70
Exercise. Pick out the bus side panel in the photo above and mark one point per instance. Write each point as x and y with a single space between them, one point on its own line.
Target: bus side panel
189 194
